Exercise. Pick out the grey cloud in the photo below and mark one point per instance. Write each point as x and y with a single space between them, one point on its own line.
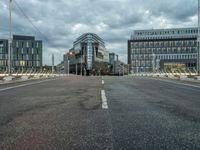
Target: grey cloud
114 20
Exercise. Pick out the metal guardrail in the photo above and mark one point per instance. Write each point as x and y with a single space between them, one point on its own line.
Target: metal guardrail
187 72
31 73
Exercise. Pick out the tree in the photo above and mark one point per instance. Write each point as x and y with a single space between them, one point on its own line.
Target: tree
100 68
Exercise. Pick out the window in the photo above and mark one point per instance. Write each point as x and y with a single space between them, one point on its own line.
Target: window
17 44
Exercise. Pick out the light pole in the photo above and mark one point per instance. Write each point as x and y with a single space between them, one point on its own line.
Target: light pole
198 41
68 65
53 63
10 38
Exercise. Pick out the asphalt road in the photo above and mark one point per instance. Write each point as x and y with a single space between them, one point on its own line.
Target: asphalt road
66 113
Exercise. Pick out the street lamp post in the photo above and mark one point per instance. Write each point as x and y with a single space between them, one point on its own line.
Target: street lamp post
198 41
68 65
10 39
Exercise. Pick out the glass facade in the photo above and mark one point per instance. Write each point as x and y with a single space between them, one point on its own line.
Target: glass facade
90 48
150 53
3 54
26 53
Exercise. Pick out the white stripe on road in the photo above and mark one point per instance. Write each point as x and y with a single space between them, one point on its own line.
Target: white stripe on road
103 82
22 85
177 83
104 100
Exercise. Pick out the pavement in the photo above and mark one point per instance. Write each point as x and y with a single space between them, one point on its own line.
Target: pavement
68 114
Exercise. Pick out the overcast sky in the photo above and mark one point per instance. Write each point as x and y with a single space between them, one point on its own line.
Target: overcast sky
62 21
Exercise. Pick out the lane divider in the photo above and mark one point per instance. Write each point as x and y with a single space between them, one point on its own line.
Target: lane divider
104 100
22 85
103 82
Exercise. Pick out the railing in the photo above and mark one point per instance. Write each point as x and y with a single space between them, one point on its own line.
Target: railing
31 73
187 72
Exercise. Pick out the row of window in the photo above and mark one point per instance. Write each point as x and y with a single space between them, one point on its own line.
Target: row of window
160 57
167 32
21 63
26 57
176 57
27 51
22 50
26 44
164 50
3 50
3 56
142 63
163 37
187 43
3 63
21 56
27 63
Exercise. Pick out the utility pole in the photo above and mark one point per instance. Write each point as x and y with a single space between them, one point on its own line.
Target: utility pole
198 40
10 39
53 63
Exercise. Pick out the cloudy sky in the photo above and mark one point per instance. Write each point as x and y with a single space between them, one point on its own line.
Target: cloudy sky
62 21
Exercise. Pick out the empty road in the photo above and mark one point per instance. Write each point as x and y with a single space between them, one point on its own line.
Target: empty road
86 113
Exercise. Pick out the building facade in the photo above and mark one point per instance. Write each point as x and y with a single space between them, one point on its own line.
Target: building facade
87 50
26 53
3 55
114 62
163 49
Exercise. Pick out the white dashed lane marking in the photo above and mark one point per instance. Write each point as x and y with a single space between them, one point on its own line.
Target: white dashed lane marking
103 82
104 100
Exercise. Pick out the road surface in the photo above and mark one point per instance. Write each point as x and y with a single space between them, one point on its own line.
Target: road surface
67 113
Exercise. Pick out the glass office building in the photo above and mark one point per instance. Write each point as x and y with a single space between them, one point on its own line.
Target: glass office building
26 53
161 49
88 49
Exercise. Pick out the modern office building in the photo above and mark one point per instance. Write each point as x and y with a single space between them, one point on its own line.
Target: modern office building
87 50
3 54
114 63
163 49
26 53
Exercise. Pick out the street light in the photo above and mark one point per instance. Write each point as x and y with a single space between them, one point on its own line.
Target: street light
10 39
198 41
